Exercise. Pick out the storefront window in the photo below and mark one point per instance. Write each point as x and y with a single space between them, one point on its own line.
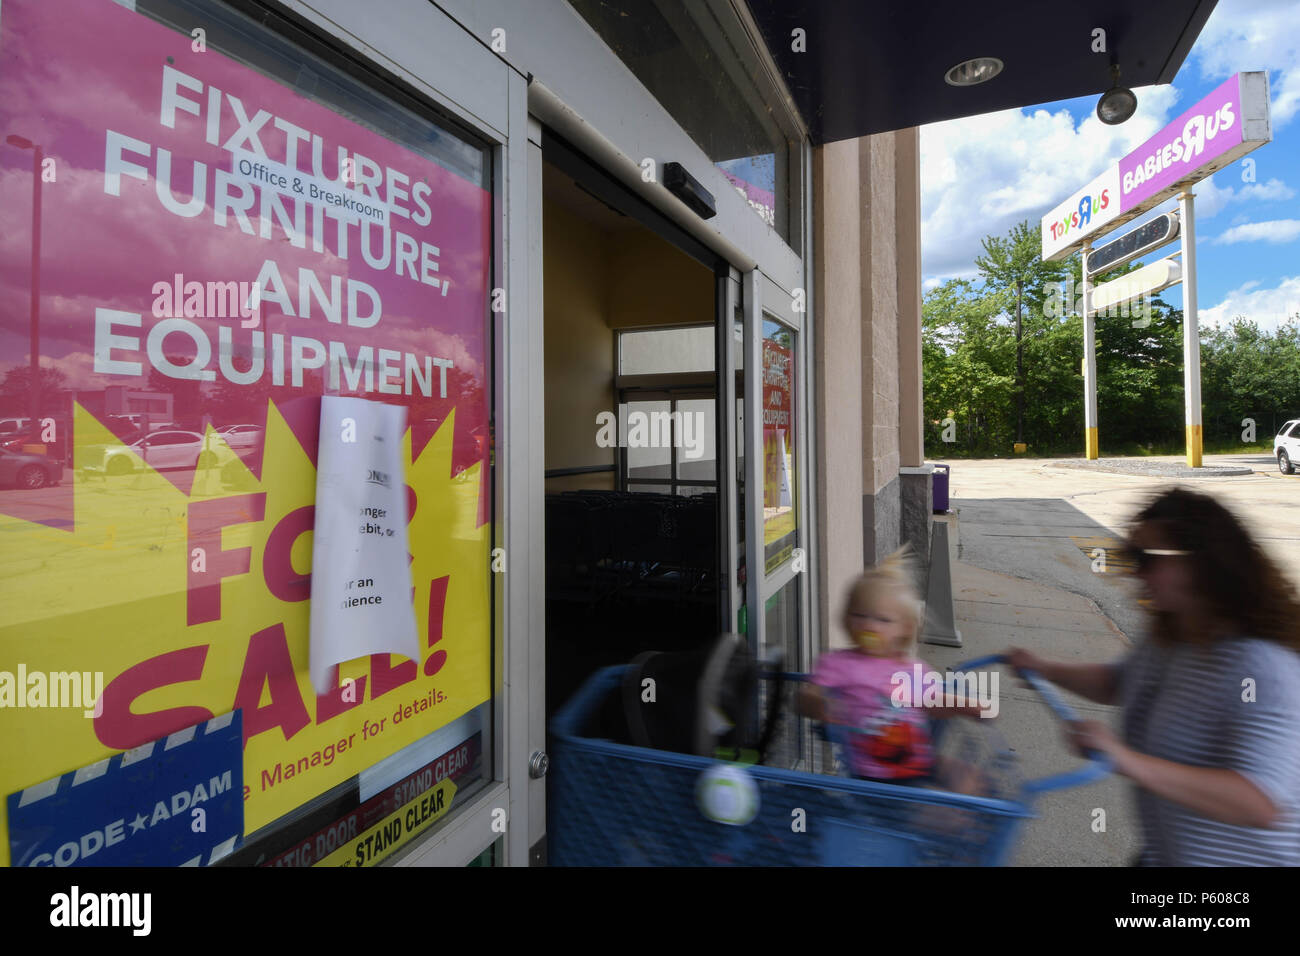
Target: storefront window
697 454
779 462
646 435
697 63
208 228
666 351
667 427
670 445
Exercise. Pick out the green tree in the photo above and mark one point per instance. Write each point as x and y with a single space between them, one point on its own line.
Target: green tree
16 391
1249 374
1002 356
969 357
1013 264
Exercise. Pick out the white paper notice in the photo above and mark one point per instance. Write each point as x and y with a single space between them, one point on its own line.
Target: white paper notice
360 578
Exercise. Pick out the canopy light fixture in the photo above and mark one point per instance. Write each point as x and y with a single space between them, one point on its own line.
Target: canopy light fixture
972 72
1118 103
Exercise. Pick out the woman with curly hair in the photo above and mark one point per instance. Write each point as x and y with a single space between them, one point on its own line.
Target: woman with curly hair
1210 700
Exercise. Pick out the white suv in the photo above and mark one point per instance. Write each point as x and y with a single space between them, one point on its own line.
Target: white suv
1286 446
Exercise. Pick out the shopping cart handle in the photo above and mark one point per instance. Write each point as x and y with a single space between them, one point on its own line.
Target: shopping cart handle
1099 765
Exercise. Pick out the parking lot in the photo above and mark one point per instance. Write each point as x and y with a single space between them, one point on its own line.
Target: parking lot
1059 526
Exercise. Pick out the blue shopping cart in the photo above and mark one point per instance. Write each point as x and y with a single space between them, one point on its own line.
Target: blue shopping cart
612 804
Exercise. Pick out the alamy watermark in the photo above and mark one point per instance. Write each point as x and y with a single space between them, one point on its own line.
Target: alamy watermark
208 300
683 430
1064 297
128 910
926 688
53 689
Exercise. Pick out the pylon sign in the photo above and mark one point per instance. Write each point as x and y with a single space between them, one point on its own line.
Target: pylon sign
1224 126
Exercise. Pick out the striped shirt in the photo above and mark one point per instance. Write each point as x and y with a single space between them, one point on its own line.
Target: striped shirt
1194 705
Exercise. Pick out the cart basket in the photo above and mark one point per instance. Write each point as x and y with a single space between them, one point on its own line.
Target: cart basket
612 804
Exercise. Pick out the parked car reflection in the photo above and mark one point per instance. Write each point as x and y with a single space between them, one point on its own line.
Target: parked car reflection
241 436
160 450
20 470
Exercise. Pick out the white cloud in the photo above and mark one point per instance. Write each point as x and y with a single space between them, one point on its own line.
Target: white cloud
1275 230
1268 308
1273 189
1255 35
1211 197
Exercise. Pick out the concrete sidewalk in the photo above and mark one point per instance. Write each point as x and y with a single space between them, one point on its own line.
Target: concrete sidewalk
996 611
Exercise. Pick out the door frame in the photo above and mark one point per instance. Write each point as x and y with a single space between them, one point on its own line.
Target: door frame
434 58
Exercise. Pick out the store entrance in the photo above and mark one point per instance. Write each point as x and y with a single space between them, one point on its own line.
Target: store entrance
634 526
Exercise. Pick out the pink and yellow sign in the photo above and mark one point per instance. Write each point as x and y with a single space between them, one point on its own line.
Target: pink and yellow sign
221 249
1224 126
1185 148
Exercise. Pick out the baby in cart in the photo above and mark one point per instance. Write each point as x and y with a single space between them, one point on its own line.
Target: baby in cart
867 696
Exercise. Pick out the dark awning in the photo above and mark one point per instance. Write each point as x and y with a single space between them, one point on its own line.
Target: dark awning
873 66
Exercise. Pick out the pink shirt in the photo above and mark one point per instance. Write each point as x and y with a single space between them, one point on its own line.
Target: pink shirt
886 742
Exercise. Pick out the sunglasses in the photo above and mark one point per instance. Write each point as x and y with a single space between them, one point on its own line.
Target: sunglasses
1143 558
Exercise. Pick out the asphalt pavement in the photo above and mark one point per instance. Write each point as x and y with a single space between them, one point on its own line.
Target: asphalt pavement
1061 526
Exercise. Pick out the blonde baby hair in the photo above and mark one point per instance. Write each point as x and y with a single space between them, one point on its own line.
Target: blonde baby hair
892 577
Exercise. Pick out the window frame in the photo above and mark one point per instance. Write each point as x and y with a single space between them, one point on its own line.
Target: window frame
672 395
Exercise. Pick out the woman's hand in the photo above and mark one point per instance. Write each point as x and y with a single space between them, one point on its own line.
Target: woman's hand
1088 736
1096 682
1022 660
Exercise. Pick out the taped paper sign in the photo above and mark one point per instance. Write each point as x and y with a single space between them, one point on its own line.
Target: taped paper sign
361 579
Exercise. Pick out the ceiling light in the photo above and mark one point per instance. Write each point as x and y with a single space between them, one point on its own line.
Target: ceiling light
1118 103
981 69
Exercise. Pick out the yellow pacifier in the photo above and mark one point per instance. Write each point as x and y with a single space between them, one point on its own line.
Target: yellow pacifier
870 641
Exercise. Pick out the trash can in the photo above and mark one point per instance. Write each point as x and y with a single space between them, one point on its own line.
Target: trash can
940 489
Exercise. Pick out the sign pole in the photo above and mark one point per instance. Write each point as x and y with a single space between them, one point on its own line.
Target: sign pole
1090 447
1191 332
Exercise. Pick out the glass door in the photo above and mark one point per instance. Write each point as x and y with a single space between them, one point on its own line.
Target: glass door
770 582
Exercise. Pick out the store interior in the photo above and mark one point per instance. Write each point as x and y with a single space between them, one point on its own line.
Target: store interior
632 484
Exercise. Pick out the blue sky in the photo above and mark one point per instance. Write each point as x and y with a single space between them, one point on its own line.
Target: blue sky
980 176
